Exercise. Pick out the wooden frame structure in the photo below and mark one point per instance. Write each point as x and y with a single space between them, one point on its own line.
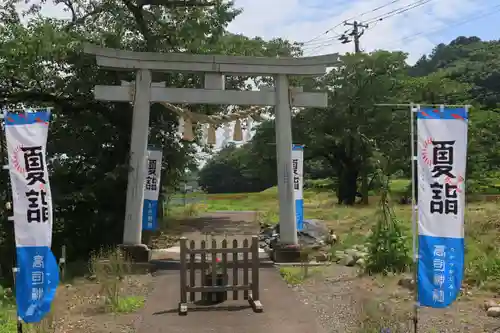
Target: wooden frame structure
234 264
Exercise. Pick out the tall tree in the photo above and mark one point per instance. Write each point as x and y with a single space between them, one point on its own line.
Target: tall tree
43 65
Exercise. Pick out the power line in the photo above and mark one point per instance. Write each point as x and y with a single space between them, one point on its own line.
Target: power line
487 12
356 16
399 10
343 37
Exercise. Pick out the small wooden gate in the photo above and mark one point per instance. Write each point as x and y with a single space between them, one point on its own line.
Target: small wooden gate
218 269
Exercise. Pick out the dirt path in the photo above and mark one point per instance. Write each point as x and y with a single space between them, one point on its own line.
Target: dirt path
332 301
338 297
283 312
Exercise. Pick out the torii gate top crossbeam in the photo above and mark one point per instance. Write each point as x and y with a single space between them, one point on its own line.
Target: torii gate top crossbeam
230 65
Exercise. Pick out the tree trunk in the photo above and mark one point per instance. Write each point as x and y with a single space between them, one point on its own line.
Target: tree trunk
348 184
364 188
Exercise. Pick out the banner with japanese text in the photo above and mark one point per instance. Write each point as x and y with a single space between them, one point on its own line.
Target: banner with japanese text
151 190
298 184
37 275
442 156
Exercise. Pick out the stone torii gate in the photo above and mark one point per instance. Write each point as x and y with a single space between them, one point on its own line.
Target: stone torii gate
143 92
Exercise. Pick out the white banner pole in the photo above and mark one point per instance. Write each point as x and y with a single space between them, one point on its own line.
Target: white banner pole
414 208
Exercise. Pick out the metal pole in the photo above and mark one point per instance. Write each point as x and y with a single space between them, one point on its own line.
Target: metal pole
6 168
19 320
414 213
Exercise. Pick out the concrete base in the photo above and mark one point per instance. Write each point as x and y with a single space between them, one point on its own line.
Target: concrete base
283 253
137 253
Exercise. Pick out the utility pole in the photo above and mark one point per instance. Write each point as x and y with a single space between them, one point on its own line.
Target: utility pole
356 33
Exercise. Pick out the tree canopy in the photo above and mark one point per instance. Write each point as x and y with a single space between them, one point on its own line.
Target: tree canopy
354 139
42 64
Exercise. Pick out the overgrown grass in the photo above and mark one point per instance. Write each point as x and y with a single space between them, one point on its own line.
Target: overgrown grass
110 267
8 322
353 224
374 317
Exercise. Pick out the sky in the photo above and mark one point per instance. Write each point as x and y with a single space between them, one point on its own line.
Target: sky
415 31
319 22
435 21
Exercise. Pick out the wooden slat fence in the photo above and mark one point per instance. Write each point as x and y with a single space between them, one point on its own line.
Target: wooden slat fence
216 267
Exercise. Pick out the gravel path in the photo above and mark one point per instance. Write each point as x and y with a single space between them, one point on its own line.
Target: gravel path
337 296
332 294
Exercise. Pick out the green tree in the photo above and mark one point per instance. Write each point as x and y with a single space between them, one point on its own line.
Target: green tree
43 65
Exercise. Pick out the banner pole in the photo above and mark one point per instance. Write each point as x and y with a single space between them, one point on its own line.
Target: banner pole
414 212
5 166
19 320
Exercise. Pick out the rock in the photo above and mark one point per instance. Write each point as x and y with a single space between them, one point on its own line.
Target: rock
339 255
356 254
407 282
348 260
490 304
361 262
360 248
321 257
494 311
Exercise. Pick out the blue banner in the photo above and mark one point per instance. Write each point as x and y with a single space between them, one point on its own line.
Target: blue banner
37 279
442 156
37 275
298 184
152 190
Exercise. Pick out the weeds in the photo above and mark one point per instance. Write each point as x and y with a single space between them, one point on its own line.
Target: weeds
129 304
377 318
387 252
297 275
110 267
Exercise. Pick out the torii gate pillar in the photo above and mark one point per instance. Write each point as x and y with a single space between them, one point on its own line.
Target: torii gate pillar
132 231
283 128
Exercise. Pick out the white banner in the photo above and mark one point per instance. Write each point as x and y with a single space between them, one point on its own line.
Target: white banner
298 184
152 190
442 156
26 141
37 275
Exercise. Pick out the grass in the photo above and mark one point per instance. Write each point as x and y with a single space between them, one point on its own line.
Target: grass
374 317
129 304
353 224
297 275
111 270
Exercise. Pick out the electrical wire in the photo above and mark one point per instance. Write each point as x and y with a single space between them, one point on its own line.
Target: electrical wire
486 12
356 16
320 44
398 11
